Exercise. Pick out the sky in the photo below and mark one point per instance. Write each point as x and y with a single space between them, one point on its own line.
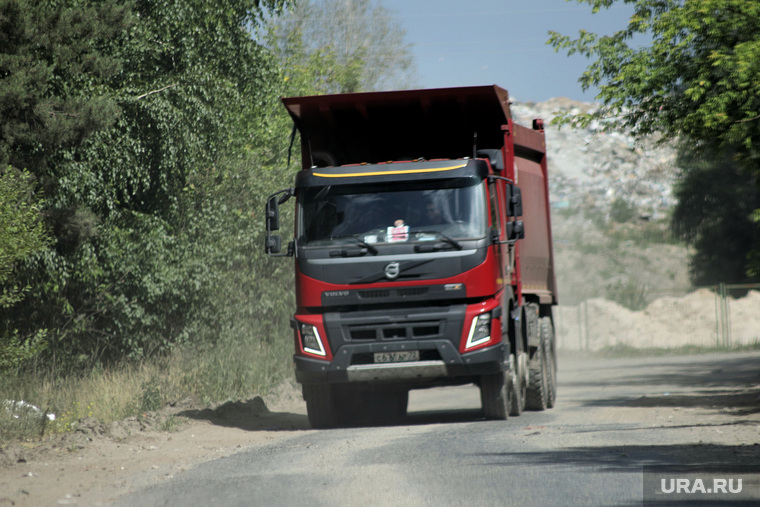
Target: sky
502 42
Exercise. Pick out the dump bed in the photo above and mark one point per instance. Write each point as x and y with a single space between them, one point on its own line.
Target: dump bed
536 250
401 125
446 123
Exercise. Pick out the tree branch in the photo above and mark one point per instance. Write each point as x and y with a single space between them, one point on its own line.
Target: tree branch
155 91
748 119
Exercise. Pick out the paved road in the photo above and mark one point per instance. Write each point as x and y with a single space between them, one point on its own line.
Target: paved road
612 418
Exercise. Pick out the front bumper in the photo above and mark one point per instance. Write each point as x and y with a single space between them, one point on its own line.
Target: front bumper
440 364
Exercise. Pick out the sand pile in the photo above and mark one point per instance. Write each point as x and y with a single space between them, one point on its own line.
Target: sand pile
667 322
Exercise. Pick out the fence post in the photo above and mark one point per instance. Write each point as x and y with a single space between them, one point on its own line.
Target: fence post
585 321
723 314
722 317
727 315
717 315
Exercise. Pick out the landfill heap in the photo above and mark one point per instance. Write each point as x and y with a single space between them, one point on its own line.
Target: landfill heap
594 167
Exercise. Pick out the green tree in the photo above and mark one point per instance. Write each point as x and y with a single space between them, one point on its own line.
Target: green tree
22 233
341 46
696 74
52 55
129 115
714 214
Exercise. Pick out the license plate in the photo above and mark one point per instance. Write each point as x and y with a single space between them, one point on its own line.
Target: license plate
397 357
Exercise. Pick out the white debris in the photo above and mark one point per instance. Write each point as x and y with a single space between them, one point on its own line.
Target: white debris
19 408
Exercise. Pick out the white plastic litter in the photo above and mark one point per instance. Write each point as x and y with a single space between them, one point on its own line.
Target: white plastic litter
20 408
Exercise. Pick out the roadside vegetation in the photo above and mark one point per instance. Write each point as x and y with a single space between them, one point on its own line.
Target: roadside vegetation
138 143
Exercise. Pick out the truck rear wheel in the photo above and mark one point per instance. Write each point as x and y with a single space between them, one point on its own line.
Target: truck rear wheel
547 336
320 405
495 395
519 382
538 391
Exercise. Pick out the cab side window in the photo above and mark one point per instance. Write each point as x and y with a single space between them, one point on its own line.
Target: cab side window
493 196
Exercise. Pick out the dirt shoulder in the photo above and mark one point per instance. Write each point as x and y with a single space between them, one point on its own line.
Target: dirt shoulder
719 409
97 463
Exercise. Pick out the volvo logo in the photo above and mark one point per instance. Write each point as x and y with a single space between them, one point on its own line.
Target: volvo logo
335 293
392 271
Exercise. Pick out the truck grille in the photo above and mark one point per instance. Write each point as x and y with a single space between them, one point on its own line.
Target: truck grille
394 332
412 291
420 326
420 295
372 294
403 292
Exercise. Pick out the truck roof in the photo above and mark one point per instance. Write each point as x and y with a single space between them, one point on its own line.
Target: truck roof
399 125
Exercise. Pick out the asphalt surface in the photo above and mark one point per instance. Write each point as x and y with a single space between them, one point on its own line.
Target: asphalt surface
612 418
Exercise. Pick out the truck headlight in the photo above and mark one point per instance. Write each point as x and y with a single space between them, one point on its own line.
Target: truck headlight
311 341
480 331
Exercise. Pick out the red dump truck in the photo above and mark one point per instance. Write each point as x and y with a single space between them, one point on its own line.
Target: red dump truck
423 253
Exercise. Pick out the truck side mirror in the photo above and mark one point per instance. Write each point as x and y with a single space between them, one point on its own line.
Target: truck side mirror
515 230
514 201
273 214
272 243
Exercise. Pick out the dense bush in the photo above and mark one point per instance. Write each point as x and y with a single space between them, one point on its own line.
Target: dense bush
152 133
22 234
127 116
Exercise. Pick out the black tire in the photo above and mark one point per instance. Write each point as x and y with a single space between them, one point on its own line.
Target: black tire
551 384
320 405
495 395
362 407
390 407
537 396
547 337
348 409
518 383
399 404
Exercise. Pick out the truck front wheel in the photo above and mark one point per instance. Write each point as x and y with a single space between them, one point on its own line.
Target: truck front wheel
320 405
390 407
495 395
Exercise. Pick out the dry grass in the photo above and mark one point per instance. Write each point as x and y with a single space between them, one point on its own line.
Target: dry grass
231 369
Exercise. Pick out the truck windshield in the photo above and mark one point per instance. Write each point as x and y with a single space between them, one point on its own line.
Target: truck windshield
391 214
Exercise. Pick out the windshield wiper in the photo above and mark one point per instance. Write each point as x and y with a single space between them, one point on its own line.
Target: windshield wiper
446 239
348 253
